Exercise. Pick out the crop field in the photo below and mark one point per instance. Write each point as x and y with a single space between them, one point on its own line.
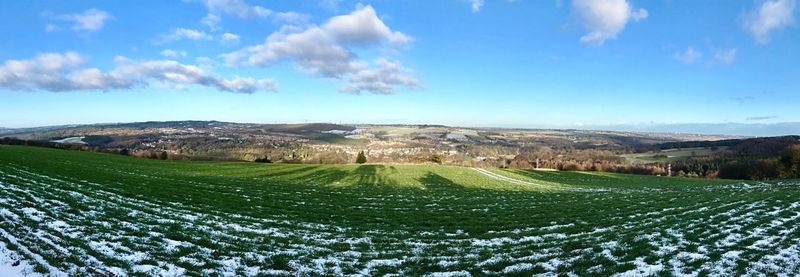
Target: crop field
67 213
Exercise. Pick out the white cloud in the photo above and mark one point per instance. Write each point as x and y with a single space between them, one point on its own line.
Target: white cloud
362 27
58 72
313 50
688 56
211 21
242 9
476 5
229 39
380 80
605 19
183 33
769 16
169 53
88 20
725 56
237 7
326 50
45 71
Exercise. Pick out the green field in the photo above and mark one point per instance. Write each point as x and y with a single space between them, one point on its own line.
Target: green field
79 213
669 155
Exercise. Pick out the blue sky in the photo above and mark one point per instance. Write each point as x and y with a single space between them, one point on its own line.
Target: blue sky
456 62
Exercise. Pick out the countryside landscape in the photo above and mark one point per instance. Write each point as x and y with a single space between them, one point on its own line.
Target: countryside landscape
399 138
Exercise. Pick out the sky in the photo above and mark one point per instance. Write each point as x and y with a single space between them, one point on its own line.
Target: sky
503 63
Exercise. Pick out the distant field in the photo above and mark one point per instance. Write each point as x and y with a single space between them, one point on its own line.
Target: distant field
335 139
666 155
77 140
78 213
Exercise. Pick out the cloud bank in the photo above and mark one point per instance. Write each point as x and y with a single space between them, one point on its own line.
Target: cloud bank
59 72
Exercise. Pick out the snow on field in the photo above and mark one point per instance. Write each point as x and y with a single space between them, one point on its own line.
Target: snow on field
11 264
67 227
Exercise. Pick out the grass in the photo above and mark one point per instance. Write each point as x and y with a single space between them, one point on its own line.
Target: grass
668 155
78 213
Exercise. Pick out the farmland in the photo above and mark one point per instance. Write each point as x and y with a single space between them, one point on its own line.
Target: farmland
326 143
669 155
79 213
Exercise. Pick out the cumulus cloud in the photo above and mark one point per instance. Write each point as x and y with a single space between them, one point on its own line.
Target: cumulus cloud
183 33
688 56
769 16
326 51
605 19
381 80
59 72
725 56
476 5
89 20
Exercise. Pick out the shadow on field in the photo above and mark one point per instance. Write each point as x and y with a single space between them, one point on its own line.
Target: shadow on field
371 174
292 172
326 176
438 182
576 178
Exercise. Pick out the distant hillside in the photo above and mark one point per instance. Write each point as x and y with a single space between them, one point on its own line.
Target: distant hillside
318 127
164 124
340 143
766 145
289 128
11 131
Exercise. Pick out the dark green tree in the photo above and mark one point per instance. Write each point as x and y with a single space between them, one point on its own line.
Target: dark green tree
361 158
734 170
790 158
263 159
